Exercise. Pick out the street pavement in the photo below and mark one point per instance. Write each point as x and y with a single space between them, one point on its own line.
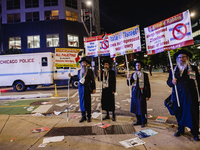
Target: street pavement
82 136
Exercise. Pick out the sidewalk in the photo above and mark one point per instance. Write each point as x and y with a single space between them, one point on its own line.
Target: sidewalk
86 136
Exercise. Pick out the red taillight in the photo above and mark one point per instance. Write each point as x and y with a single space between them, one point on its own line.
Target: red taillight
3 90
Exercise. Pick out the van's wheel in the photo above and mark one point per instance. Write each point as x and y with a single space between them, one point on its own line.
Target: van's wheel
19 86
74 83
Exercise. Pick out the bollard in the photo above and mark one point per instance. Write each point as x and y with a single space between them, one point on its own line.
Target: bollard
56 95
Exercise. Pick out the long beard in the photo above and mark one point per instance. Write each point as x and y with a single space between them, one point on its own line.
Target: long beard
83 69
106 69
182 66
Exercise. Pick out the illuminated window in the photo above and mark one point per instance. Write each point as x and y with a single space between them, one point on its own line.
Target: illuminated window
73 40
84 40
50 2
32 16
15 42
51 15
72 16
71 3
196 33
33 41
13 4
52 40
12 18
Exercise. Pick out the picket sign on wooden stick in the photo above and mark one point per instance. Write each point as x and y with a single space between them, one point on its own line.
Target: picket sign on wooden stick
170 60
128 74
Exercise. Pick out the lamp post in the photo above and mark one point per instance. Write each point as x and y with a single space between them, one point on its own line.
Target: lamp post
89 3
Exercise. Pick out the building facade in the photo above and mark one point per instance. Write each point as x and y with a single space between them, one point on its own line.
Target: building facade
43 25
195 20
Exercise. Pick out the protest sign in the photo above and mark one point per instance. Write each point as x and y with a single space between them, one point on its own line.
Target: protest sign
161 119
132 142
97 46
145 133
67 57
169 34
102 125
125 42
40 130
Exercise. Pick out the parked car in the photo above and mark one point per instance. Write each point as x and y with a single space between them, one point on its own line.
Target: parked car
121 70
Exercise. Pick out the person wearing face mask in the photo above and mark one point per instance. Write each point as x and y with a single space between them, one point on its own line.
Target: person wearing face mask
108 79
86 86
187 81
141 93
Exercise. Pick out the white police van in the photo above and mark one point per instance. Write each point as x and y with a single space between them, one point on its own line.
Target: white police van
22 71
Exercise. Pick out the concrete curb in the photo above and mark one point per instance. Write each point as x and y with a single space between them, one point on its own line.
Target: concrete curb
25 96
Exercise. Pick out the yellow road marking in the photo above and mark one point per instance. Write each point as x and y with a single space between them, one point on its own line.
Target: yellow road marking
14 106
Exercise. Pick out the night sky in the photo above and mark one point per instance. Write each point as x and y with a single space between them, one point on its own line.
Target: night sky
117 15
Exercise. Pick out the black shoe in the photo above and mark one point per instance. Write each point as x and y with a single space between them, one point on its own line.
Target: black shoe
89 120
177 134
82 119
136 124
143 125
106 117
113 118
196 138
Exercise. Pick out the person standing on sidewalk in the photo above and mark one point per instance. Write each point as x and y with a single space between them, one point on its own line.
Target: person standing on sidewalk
141 93
86 86
108 79
150 70
187 81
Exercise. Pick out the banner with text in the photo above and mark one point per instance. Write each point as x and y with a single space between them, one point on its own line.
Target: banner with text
171 33
67 57
125 42
97 46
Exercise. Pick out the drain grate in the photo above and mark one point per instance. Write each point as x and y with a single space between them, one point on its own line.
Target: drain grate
91 130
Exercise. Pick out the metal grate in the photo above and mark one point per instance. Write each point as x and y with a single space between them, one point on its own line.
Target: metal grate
91 130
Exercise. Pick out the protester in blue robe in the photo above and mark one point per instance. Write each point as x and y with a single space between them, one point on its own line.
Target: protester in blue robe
141 93
86 86
188 84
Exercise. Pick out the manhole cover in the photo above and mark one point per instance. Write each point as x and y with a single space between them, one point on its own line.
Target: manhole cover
91 130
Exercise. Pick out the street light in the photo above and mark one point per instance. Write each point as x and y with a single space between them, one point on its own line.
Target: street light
192 14
89 3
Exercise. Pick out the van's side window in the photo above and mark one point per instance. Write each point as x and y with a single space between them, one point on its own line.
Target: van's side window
44 61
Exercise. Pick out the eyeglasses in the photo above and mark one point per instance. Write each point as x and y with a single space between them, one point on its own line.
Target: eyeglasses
182 57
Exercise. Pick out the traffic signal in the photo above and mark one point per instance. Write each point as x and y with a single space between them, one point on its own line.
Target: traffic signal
86 15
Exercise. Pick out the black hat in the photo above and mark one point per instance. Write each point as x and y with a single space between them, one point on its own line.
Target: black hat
106 61
84 59
182 52
137 61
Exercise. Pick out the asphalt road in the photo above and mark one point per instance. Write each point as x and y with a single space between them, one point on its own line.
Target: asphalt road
155 106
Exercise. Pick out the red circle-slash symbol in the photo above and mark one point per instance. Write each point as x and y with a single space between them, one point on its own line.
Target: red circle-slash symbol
105 44
179 31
